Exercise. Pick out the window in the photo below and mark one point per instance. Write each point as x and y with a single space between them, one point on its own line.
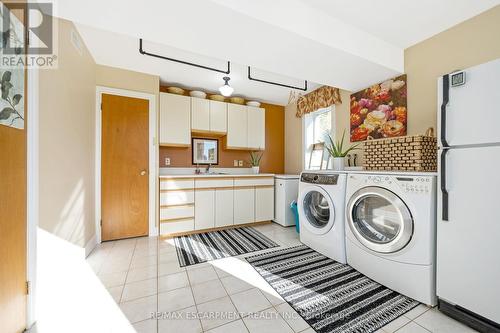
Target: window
317 126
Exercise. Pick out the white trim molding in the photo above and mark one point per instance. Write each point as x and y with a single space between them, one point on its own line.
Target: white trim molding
32 192
153 154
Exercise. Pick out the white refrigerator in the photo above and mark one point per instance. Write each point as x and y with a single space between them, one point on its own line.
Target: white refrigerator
468 228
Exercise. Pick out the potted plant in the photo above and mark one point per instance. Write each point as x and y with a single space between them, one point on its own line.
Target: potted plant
337 152
255 161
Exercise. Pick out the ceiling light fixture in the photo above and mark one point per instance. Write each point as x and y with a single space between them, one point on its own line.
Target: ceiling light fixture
226 90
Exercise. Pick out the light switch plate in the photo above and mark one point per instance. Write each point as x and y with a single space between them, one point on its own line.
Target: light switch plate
235 163
167 161
240 163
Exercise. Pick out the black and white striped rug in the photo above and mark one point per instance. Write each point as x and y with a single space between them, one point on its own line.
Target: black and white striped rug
198 248
331 297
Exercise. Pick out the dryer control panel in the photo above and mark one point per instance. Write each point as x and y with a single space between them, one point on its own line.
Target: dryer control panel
413 184
322 179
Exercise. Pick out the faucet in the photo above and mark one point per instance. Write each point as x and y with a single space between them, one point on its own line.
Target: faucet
207 170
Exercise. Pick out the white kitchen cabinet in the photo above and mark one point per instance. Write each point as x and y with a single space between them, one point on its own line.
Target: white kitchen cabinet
264 203
256 127
218 117
224 207
200 114
237 135
204 209
175 120
244 205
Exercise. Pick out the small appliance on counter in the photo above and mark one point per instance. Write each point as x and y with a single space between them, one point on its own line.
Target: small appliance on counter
286 191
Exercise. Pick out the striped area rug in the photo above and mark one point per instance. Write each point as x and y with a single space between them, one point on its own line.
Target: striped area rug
331 297
198 248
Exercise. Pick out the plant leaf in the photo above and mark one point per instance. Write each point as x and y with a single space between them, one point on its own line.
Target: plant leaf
7 75
6 112
6 89
16 99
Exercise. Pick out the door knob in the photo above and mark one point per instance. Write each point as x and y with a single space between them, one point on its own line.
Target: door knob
143 172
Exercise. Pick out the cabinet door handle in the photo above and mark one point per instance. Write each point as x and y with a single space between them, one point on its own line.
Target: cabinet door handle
444 191
143 172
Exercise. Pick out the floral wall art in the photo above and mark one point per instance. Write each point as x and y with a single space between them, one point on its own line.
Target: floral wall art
379 111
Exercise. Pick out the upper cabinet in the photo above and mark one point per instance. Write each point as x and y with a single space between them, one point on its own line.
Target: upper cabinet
237 135
200 115
256 127
245 126
208 116
175 120
218 117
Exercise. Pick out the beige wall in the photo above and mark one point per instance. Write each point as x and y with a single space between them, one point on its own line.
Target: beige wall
125 79
470 43
66 143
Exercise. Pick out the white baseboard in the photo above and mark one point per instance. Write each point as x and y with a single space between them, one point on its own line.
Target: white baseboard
91 244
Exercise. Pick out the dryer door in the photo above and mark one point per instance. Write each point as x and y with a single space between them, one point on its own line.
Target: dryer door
317 210
379 219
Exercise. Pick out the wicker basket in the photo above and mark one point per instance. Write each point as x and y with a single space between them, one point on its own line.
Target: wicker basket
408 153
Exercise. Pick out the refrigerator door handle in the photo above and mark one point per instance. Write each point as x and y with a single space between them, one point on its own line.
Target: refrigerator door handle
444 191
446 99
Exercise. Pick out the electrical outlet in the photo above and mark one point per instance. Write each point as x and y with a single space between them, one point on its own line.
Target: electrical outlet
240 163
167 161
235 163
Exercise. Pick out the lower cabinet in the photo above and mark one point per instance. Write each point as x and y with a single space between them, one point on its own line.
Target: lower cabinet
188 205
244 205
264 203
204 209
224 207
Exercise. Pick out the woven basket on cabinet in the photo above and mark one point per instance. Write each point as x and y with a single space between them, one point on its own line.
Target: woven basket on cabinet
407 153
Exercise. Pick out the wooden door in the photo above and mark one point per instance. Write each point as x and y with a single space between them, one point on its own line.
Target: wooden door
124 167
13 215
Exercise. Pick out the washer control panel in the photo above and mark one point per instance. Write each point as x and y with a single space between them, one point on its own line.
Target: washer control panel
322 179
413 184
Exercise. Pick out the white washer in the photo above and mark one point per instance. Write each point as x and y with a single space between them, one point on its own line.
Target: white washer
321 212
391 231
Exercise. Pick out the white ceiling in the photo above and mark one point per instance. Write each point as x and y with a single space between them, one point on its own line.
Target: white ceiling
349 44
122 51
403 22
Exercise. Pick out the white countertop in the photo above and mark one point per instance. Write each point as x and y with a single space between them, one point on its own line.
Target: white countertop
287 176
218 175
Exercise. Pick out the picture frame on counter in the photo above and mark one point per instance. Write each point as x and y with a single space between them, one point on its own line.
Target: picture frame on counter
205 151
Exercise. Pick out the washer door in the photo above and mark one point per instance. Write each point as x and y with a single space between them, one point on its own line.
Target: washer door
318 210
380 220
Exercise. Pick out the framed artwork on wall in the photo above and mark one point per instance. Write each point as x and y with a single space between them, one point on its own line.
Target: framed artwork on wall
380 111
205 151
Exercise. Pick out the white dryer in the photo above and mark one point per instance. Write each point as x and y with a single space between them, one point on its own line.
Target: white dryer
391 231
321 212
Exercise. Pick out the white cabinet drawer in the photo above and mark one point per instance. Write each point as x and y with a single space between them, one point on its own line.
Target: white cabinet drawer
254 181
176 184
173 198
212 183
176 212
176 227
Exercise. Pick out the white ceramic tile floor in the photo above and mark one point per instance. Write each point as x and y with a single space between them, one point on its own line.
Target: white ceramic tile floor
143 276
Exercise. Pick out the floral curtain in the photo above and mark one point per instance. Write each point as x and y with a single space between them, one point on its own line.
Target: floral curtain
320 98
